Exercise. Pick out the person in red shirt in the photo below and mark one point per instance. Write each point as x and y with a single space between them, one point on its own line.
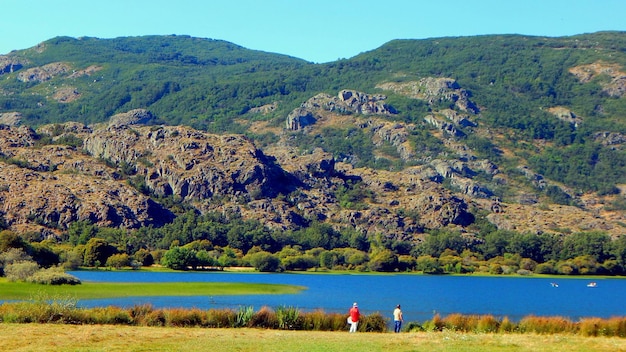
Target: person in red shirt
354 317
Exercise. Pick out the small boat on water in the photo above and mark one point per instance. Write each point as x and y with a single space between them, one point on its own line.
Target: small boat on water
554 284
592 284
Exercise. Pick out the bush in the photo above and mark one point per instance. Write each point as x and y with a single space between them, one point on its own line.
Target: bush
373 323
20 271
264 318
265 262
118 260
221 318
53 276
287 317
546 325
184 317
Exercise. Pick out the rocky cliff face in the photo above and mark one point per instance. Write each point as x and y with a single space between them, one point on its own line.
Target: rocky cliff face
47 187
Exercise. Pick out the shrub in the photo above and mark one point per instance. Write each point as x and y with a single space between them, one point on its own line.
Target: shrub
436 324
413 326
545 268
244 315
183 317
110 315
140 312
546 325
615 326
155 318
487 323
264 318
221 318
264 261
53 276
118 260
506 325
287 317
317 320
20 271
373 323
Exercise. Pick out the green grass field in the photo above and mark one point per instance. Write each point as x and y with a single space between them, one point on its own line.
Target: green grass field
70 338
90 290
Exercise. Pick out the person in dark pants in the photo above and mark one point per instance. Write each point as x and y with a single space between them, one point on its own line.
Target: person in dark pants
397 319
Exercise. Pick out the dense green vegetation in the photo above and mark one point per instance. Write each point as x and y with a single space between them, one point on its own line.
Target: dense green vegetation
212 242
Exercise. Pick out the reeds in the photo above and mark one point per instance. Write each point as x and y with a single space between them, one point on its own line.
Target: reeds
65 311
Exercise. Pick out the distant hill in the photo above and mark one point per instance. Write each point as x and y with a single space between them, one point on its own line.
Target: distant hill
474 134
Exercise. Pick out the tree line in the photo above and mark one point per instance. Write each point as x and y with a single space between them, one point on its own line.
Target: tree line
215 241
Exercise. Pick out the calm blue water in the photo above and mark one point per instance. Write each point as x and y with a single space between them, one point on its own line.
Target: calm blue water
420 296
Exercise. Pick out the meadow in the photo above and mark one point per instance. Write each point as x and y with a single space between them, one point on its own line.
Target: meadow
91 290
112 338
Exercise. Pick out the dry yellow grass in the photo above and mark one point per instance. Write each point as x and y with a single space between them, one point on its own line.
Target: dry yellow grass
52 337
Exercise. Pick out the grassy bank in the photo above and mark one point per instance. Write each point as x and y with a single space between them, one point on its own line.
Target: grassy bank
89 290
73 338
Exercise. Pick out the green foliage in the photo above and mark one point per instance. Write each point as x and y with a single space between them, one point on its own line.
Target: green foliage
588 167
287 317
20 271
244 315
265 262
53 276
118 261
97 251
179 258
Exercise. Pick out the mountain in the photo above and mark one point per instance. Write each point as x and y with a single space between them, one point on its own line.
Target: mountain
473 134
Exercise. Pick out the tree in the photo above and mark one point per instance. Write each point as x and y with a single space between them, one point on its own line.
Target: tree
265 261
438 241
495 243
97 251
178 258
204 258
428 264
596 244
144 257
383 260
118 260
228 258
328 259
10 239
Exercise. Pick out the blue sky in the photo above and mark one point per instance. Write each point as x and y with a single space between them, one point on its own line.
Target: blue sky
317 31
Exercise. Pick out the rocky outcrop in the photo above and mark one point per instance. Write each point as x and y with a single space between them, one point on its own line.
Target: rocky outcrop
132 117
346 102
184 162
616 86
10 64
444 126
10 118
43 73
432 89
46 189
66 95
565 114
613 139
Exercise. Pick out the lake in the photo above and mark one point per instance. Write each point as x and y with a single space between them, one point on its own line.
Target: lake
421 296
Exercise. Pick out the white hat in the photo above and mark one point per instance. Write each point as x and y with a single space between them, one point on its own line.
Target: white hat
354 304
